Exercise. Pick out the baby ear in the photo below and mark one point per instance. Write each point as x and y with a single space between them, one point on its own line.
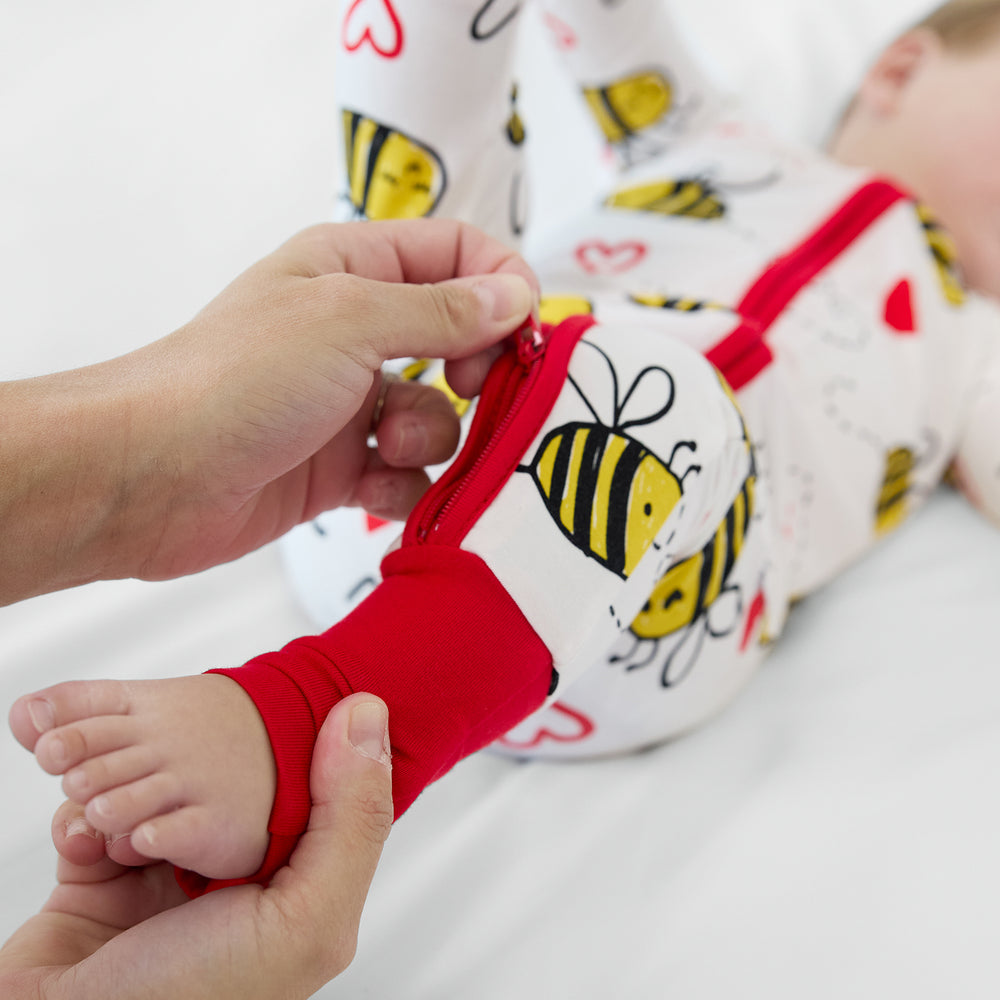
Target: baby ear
896 67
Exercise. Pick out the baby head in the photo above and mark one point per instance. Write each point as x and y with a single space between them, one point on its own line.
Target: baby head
927 114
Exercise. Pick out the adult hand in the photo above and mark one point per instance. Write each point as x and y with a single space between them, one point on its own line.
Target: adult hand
254 416
112 933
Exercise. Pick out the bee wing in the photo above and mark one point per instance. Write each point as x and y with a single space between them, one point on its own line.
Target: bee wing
683 655
649 397
725 612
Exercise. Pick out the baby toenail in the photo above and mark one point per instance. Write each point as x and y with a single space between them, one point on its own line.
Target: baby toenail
43 718
80 827
75 782
57 750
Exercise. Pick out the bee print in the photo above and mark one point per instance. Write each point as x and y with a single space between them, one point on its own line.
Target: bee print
690 198
390 175
516 135
488 23
515 125
675 303
891 507
607 492
683 597
942 248
625 108
553 309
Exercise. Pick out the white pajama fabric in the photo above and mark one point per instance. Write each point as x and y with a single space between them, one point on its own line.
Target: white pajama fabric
872 379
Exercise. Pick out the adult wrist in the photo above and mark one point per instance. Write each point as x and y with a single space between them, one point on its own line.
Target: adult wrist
79 472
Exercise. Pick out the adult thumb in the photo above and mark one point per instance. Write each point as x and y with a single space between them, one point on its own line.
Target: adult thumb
448 319
332 866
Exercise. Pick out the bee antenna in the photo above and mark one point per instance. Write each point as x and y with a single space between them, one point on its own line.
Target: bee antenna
614 384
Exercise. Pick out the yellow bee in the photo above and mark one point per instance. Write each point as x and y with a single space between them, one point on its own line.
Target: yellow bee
689 197
684 594
890 509
555 308
942 248
625 107
515 125
390 175
675 303
606 491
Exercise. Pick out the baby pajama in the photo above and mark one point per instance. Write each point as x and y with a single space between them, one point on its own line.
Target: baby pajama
746 379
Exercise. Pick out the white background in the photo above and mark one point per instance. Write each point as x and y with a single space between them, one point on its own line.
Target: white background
833 834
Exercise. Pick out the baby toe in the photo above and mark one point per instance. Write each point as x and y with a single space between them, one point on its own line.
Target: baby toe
74 838
60 749
194 838
108 771
121 809
45 710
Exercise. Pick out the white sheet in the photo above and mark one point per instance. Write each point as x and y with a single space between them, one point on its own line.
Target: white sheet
831 835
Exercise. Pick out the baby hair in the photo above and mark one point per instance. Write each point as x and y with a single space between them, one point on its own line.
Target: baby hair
965 24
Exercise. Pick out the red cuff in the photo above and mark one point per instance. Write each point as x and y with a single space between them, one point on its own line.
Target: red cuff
439 640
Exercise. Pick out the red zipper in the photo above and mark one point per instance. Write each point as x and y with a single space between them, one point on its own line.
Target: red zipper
520 391
744 353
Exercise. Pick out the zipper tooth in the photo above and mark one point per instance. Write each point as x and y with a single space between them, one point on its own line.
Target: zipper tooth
508 401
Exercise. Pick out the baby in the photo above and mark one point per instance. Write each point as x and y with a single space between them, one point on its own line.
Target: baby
755 361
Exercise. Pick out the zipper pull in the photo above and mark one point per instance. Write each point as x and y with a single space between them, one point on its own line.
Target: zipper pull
531 341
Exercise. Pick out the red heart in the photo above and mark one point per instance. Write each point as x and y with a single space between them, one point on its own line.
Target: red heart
899 308
563 36
358 30
572 725
598 257
372 524
756 610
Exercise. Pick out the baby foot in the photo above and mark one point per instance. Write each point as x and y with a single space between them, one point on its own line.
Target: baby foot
184 766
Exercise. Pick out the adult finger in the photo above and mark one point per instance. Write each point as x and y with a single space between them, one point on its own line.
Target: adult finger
415 251
391 494
324 886
467 375
457 318
417 425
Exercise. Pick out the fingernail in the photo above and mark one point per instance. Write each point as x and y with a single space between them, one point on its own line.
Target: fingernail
42 715
80 827
506 298
384 499
145 833
412 443
368 731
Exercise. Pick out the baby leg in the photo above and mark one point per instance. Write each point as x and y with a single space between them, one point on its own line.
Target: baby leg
429 125
429 115
642 88
592 466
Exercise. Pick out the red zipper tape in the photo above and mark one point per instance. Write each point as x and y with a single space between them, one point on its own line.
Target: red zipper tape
743 354
518 396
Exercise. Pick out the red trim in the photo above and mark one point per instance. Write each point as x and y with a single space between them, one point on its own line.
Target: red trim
743 354
440 641
515 402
